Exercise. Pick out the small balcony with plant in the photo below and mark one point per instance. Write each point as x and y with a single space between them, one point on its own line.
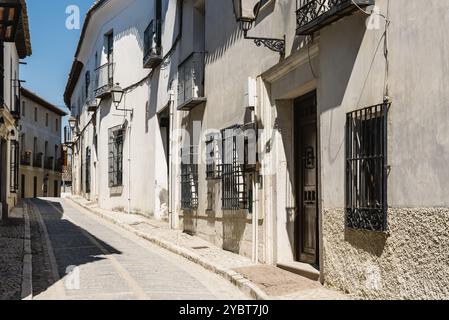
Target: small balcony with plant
152 51
191 82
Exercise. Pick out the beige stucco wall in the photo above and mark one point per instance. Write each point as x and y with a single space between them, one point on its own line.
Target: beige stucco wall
409 262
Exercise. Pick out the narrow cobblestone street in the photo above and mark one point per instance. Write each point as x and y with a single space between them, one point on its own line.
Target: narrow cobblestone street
79 256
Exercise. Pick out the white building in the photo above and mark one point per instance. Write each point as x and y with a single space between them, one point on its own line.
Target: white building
41 157
350 183
14 45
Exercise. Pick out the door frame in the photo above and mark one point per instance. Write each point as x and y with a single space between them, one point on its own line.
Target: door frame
298 183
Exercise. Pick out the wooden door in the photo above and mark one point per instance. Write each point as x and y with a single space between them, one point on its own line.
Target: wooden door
306 172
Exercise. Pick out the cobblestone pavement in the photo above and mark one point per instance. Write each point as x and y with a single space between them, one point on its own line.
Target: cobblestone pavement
84 257
11 256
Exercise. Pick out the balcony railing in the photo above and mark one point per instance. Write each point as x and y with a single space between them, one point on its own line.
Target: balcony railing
104 80
191 82
59 164
312 15
25 159
152 54
37 161
15 108
48 163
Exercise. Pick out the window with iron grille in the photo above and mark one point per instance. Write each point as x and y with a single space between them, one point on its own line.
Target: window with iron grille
14 166
88 157
213 156
366 169
234 178
189 178
116 136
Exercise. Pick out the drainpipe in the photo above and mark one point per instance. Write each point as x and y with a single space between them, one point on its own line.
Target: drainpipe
256 220
129 168
170 161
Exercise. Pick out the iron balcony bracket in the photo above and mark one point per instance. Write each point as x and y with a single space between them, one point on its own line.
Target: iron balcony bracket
276 45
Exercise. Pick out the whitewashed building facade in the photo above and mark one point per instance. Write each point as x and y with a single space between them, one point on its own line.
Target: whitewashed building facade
15 45
41 151
349 186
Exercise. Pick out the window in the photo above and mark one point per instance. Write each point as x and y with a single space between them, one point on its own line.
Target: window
46 119
87 168
213 156
116 157
35 114
234 178
366 169
87 83
14 166
189 178
23 109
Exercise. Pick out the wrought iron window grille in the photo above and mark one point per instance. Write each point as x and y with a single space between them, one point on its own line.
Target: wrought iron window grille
116 137
87 168
14 166
367 168
235 186
189 178
213 157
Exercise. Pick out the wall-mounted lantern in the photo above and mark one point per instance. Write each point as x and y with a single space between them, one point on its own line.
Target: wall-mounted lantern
9 19
73 123
117 97
246 13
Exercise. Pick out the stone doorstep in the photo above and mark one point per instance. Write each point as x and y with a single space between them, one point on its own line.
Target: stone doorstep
302 269
242 277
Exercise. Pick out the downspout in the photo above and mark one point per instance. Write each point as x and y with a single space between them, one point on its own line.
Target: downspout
129 168
170 166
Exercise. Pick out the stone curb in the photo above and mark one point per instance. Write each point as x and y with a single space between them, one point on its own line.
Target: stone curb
245 285
27 267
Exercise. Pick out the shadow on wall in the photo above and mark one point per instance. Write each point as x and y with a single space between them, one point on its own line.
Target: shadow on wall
234 225
72 245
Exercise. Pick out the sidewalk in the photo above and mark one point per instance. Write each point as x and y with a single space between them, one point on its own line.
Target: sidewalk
262 282
15 256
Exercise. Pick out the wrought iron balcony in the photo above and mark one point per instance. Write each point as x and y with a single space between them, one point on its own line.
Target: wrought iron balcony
48 163
25 159
15 108
37 161
104 80
312 15
59 164
191 82
152 54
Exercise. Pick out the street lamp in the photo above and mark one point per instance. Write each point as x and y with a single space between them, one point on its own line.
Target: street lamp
117 94
10 11
117 97
72 123
246 13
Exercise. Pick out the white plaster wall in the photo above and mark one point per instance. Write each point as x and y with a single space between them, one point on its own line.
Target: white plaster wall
148 174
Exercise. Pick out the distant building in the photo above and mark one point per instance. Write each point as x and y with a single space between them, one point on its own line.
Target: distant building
41 152
14 45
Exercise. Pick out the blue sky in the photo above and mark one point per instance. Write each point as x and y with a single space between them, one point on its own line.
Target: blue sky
53 47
